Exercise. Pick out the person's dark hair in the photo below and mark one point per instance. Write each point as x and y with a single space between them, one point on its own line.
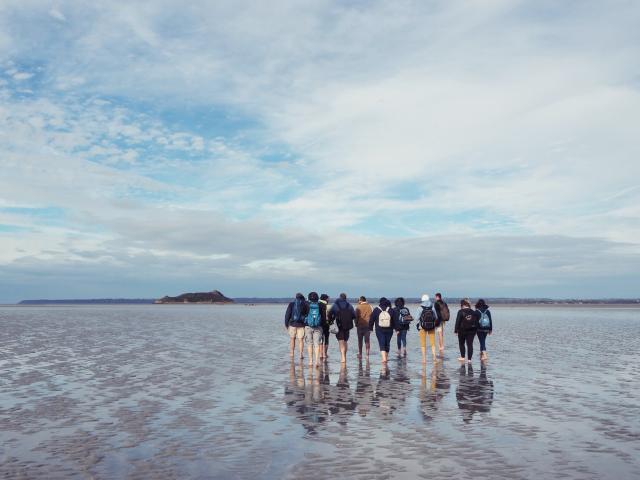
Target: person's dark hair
343 296
313 297
438 296
324 296
465 303
384 302
399 302
363 298
481 305
300 296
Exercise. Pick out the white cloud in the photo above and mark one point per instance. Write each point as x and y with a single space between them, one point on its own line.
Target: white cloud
57 14
20 76
395 126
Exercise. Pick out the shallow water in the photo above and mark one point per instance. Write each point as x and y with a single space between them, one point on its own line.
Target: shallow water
175 391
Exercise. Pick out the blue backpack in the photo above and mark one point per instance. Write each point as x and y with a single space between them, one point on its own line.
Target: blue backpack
313 318
485 322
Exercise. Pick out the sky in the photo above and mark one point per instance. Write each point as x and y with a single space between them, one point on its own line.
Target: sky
477 148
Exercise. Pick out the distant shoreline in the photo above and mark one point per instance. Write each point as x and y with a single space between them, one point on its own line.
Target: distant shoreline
277 301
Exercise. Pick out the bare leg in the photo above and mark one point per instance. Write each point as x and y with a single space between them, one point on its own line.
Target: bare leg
292 346
301 347
310 353
317 355
441 339
360 341
343 351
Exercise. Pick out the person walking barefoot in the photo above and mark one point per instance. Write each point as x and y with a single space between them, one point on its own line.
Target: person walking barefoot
466 327
381 319
427 328
401 321
324 350
363 314
344 314
294 323
485 327
313 335
442 310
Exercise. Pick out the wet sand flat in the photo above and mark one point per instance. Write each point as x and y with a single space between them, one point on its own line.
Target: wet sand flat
180 391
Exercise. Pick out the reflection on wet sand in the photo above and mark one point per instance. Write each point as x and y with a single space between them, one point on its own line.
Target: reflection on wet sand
364 390
474 394
313 400
146 392
433 388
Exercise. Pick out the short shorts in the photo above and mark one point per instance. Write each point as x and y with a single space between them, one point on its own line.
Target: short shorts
313 336
343 335
296 332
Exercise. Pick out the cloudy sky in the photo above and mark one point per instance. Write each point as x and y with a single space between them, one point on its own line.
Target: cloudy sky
481 147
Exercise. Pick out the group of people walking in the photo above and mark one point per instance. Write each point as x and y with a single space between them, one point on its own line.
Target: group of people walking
311 320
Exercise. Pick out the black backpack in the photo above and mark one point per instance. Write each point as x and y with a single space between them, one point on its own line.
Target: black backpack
427 319
469 320
405 317
345 320
444 311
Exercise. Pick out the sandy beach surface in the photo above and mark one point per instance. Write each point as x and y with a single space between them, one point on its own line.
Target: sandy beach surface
180 391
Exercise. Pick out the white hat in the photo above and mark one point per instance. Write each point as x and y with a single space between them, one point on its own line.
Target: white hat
425 298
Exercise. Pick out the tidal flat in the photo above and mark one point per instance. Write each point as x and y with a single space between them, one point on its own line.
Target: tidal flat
201 391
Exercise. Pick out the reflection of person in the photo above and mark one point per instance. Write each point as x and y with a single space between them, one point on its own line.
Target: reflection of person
474 394
433 389
294 391
342 398
364 390
305 399
401 385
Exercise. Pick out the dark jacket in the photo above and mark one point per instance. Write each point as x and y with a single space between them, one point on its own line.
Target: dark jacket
395 315
340 304
384 303
325 315
479 312
288 317
460 323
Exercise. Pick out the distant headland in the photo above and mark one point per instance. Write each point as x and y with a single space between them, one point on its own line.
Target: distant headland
200 297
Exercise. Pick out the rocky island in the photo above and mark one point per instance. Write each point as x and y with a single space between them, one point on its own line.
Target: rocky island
200 297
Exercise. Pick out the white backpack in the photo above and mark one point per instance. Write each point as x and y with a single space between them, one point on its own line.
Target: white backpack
384 319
